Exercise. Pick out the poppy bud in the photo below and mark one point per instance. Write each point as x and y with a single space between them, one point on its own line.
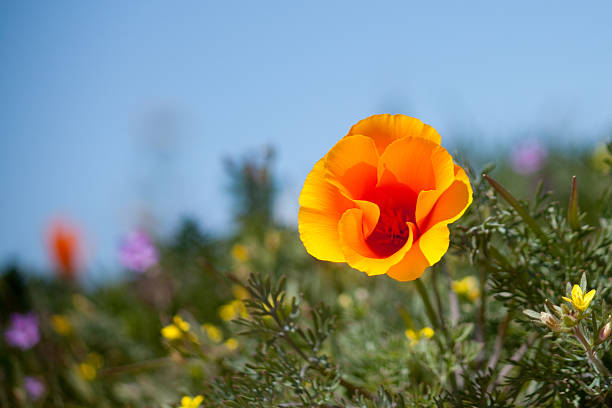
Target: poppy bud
604 333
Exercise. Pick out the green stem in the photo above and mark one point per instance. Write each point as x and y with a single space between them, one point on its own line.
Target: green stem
431 313
435 322
595 361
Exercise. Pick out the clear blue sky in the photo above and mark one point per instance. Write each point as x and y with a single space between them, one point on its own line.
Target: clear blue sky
81 81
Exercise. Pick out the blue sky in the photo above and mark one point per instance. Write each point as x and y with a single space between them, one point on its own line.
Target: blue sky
81 82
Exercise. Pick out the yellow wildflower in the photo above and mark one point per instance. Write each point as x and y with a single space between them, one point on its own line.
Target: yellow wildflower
188 402
235 308
231 344
241 308
426 332
414 336
61 324
579 300
177 329
467 287
240 292
213 332
87 371
180 323
171 332
227 312
240 252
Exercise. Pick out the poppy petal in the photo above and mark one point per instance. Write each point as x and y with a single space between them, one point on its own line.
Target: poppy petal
353 164
321 207
357 252
386 128
450 206
436 206
417 163
434 243
371 214
410 267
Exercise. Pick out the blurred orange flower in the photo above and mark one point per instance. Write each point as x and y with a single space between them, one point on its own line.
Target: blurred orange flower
63 243
382 198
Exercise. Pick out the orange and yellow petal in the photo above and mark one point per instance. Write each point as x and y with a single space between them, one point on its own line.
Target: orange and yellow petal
412 266
386 128
321 207
436 206
352 163
416 163
434 243
426 251
356 251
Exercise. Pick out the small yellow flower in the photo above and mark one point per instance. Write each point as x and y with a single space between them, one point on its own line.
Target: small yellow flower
240 307
87 371
231 344
426 332
213 332
230 311
240 292
188 402
227 312
171 332
414 337
240 252
180 323
467 287
579 300
61 324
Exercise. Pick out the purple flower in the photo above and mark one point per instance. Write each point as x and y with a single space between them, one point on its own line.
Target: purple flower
528 158
22 331
137 252
34 387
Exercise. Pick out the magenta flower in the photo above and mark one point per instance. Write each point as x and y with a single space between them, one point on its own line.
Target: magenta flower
22 331
528 157
34 387
137 252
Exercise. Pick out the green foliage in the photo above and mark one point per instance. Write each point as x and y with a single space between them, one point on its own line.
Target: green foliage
266 325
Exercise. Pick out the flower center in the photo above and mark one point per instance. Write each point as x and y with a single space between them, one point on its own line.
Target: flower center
397 207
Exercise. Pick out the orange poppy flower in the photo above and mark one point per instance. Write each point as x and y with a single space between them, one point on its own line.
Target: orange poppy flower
63 242
382 198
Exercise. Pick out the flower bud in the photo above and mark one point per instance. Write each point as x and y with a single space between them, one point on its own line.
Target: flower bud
605 331
569 320
551 321
565 309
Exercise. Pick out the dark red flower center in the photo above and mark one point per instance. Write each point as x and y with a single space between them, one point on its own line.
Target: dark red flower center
397 205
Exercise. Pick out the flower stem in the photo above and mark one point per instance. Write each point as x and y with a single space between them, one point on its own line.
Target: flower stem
431 313
436 323
595 361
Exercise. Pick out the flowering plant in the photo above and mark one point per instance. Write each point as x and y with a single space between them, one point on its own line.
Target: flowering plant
510 306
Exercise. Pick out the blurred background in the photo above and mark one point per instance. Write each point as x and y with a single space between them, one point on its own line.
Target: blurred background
118 116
